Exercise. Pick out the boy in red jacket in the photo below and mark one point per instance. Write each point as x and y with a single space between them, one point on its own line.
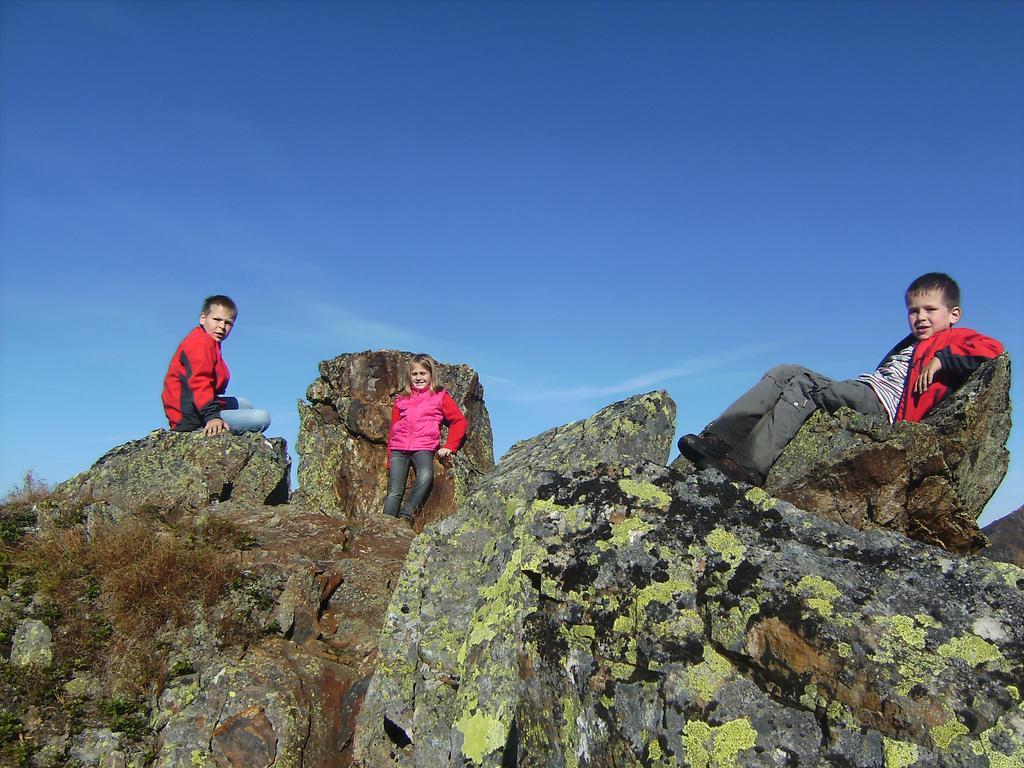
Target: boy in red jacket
745 441
197 378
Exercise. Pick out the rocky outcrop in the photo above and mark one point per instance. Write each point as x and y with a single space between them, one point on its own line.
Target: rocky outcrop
462 585
1006 538
176 472
587 606
928 480
343 433
291 698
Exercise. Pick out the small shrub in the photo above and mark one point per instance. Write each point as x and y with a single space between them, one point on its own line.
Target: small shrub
126 716
10 726
31 491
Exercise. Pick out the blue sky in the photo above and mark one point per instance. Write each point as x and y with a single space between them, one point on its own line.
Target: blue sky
581 200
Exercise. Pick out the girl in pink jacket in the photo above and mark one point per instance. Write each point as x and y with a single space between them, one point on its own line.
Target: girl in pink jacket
416 434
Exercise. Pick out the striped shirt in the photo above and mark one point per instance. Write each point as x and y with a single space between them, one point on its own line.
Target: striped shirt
889 379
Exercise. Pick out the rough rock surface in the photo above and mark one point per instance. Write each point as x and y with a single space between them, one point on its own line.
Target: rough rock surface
575 612
1006 538
290 699
32 645
928 480
451 596
174 472
343 432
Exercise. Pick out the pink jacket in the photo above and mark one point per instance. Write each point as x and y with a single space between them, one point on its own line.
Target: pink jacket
416 422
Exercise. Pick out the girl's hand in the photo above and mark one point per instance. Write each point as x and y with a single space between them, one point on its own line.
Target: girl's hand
442 452
927 375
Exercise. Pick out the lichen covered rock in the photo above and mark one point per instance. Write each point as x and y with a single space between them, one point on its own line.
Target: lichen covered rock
176 472
590 607
461 591
32 645
343 433
928 480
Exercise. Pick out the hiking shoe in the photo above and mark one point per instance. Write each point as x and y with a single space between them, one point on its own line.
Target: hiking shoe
705 445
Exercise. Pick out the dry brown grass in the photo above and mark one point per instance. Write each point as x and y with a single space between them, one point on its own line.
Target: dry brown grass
121 588
29 492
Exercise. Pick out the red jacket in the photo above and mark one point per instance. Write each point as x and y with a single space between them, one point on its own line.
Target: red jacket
416 422
960 350
196 375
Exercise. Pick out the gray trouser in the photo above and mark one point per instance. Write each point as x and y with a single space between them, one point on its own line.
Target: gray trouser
423 464
761 423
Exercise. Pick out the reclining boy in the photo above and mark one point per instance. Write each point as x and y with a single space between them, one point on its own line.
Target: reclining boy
197 378
913 377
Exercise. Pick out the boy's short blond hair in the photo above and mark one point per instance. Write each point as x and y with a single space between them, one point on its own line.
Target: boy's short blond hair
936 281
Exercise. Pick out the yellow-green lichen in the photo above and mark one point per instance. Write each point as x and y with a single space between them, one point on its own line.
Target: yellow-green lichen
717 746
568 734
1014 692
481 734
621 671
761 499
663 592
1007 737
945 734
581 633
623 624
903 645
1012 574
818 593
727 545
546 505
647 493
844 650
837 713
654 750
707 677
498 608
809 698
972 649
899 754
906 628
625 532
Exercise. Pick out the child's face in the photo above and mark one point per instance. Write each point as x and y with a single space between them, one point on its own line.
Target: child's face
928 314
218 322
419 376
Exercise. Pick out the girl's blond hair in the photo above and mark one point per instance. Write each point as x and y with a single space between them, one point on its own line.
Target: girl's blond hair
427 362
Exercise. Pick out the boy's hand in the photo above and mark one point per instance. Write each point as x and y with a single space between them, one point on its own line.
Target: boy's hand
215 427
927 374
442 452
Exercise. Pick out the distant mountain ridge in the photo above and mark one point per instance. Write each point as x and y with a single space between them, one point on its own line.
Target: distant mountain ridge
1006 538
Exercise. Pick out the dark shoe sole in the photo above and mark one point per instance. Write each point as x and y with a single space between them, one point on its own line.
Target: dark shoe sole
698 447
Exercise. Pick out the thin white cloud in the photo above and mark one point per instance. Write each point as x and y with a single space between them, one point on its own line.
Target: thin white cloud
362 332
506 389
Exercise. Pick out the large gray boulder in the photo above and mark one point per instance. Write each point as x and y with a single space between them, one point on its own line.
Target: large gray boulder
462 588
343 433
928 480
175 472
588 606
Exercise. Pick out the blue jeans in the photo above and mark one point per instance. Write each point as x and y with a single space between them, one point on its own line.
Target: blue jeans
423 465
240 416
